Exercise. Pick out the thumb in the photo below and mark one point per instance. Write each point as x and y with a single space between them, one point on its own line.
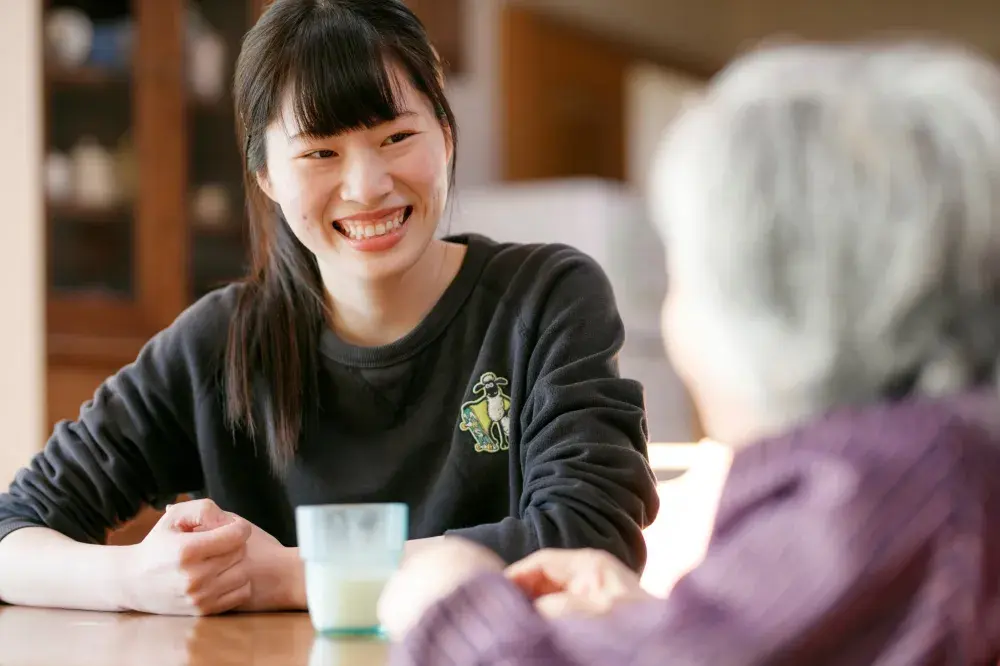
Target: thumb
561 604
535 583
197 516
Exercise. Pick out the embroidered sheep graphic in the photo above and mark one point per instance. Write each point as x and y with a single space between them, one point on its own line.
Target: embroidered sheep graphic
487 417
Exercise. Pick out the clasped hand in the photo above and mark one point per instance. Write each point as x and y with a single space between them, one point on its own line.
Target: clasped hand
201 560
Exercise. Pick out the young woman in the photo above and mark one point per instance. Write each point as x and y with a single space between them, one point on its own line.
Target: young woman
362 360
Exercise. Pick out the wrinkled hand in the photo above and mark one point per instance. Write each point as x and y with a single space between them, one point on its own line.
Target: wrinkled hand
190 563
576 582
428 576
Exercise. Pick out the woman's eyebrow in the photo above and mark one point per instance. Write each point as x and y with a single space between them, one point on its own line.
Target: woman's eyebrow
304 134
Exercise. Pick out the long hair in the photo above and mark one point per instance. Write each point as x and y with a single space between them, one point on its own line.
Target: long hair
333 59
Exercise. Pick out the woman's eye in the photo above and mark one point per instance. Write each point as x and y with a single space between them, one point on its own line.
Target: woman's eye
398 136
320 154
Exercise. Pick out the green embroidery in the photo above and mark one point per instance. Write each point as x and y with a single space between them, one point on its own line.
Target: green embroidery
487 418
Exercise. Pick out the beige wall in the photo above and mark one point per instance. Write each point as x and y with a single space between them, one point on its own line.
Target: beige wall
474 96
22 375
654 96
653 92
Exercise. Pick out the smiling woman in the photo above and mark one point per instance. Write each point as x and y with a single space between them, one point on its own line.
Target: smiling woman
362 359
343 126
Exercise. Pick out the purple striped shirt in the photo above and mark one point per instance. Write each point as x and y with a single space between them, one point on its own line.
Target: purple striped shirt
871 536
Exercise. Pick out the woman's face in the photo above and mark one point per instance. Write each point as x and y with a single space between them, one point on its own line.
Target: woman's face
367 202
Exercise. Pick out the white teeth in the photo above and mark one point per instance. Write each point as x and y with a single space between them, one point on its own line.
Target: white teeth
357 231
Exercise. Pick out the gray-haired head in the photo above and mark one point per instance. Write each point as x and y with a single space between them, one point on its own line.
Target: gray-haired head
836 209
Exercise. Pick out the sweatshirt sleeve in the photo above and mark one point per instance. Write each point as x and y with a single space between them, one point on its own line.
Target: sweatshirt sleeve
132 444
583 438
809 563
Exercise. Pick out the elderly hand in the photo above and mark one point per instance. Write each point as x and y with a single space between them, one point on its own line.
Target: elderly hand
576 582
427 576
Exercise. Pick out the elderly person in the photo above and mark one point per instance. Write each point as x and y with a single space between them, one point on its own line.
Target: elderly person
832 221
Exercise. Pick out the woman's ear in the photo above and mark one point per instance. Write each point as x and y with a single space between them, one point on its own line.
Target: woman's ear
449 142
264 183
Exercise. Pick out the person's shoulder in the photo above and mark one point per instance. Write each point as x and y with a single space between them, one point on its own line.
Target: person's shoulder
513 257
191 349
898 432
924 440
546 285
211 312
203 327
539 267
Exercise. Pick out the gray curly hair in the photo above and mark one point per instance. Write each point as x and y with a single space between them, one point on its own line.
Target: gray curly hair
837 210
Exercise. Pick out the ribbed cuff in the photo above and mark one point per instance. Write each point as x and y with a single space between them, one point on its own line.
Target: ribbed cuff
9 526
487 616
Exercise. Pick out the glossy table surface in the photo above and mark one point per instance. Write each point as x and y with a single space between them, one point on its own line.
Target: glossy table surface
43 637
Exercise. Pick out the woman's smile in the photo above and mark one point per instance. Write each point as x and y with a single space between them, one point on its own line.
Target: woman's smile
377 231
374 224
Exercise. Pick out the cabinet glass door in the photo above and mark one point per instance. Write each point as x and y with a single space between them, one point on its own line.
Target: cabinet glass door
90 168
217 213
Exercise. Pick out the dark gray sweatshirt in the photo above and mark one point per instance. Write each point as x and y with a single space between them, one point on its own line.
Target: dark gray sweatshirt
501 418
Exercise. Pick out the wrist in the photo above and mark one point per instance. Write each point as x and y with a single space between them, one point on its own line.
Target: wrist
294 589
115 572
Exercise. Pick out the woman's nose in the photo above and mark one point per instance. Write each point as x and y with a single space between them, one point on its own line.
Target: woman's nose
366 180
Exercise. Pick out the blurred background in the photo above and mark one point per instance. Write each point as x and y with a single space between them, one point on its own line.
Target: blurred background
122 185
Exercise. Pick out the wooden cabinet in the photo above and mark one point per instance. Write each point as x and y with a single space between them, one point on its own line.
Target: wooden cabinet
144 195
563 99
444 21
144 200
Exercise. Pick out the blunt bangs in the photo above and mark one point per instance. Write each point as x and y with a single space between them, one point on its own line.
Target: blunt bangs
340 78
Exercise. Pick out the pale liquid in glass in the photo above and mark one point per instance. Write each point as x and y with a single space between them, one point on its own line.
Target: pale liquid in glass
344 601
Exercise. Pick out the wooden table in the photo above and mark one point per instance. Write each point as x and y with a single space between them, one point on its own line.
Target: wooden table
42 637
